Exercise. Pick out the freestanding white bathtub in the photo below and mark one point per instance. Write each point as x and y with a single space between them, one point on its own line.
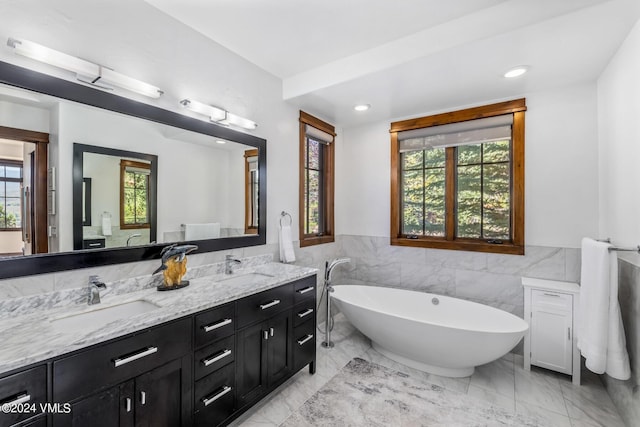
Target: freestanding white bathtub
434 333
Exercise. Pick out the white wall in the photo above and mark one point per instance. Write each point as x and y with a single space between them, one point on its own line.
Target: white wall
25 117
560 166
619 144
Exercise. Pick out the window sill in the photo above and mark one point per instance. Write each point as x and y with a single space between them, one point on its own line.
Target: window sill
313 240
459 245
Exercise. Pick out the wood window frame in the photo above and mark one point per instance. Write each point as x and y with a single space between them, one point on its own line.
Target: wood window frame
123 166
248 203
516 245
328 182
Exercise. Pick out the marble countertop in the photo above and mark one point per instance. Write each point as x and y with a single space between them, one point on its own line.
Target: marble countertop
29 336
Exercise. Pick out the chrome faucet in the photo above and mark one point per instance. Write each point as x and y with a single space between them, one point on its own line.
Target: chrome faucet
132 236
329 266
95 284
328 271
229 262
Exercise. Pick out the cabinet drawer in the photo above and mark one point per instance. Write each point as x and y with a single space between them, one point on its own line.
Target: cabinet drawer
304 345
304 289
215 356
93 243
215 324
551 299
109 364
214 397
28 387
261 306
303 312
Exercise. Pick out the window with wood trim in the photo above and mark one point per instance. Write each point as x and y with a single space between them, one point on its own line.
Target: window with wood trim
134 194
457 180
251 190
317 139
10 194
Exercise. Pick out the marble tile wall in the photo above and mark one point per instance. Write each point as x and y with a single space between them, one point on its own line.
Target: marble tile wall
626 394
490 279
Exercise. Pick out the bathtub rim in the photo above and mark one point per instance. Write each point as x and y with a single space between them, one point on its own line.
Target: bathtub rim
525 325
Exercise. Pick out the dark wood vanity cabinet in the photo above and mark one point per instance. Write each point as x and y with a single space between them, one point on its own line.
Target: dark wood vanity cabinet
204 369
144 374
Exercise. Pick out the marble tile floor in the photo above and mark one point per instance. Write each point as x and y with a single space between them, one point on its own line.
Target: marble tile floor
503 383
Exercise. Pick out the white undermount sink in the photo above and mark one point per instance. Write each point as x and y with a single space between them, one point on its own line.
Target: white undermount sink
245 279
102 315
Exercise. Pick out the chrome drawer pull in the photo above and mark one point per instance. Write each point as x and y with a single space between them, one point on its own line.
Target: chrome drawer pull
208 401
93 245
271 304
20 399
143 398
225 353
305 290
210 328
147 352
305 313
305 339
128 404
551 295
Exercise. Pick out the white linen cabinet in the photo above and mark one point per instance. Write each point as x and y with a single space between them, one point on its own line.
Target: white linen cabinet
550 308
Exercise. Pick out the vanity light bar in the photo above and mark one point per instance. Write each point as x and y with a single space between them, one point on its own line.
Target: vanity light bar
218 115
85 71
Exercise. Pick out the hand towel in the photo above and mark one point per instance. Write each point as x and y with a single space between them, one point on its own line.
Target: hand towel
106 225
600 330
203 231
286 244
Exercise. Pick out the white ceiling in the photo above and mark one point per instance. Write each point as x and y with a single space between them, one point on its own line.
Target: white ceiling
407 57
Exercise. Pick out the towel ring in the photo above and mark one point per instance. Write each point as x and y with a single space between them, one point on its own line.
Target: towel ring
283 215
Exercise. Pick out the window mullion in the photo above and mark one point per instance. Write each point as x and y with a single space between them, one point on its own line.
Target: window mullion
450 193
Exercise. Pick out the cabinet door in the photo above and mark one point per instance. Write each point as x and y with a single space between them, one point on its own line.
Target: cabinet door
279 355
108 408
551 339
251 374
158 396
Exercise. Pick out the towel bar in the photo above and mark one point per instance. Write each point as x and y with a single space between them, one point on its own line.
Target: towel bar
613 248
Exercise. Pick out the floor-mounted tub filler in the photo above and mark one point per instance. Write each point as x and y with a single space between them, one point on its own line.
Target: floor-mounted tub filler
434 333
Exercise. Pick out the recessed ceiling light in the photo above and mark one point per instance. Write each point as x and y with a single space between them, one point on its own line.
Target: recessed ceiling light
219 141
516 71
362 107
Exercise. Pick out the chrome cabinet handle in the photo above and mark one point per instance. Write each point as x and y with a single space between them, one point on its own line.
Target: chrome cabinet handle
143 398
24 397
143 353
209 328
305 313
265 334
271 332
551 295
209 400
271 304
128 404
226 352
305 290
305 339
92 245
569 334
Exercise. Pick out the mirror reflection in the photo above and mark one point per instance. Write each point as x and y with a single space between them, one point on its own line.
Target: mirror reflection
203 187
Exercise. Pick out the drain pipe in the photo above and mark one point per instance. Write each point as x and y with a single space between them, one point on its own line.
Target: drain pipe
329 266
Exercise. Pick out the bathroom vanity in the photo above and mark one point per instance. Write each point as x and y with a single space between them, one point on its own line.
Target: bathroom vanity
204 356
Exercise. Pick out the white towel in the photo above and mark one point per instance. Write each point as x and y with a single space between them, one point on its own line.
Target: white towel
210 230
600 331
286 244
106 225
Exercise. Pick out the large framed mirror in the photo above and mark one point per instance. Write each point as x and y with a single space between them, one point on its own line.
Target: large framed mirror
130 178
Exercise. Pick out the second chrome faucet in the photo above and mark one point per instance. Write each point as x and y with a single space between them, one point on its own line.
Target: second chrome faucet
229 262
